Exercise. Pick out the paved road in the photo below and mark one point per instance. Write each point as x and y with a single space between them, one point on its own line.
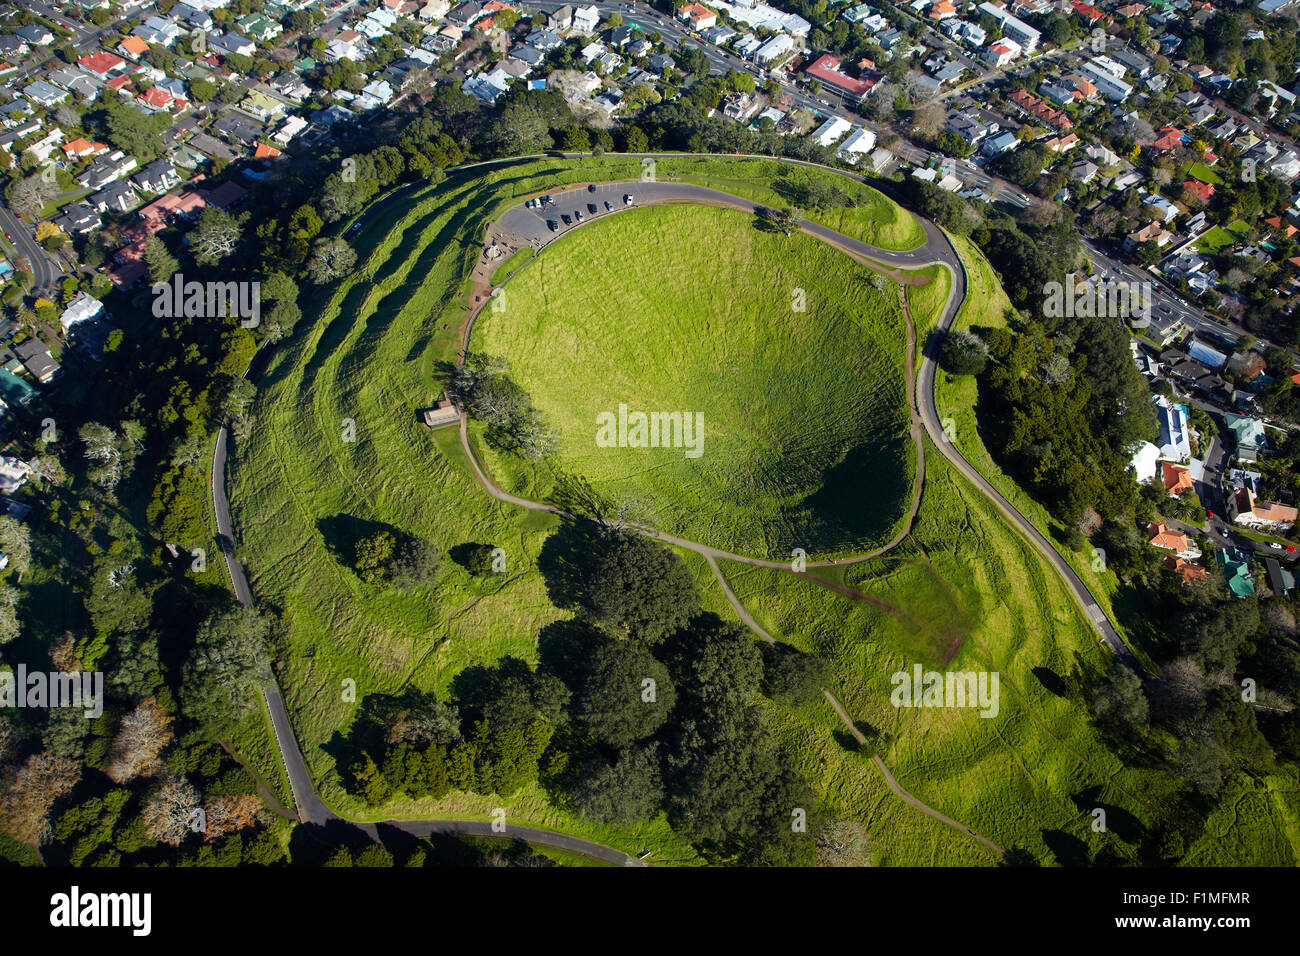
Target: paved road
46 273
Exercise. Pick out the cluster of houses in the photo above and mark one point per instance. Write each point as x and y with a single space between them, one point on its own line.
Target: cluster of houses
1171 461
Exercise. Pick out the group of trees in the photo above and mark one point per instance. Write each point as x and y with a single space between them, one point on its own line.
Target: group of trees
482 383
643 704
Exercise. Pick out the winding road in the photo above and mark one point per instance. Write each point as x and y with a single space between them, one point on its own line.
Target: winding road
523 225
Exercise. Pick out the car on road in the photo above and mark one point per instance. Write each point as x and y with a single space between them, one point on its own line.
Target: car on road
609 206
552 225
591 187
568 220
577 214
592 208
627 199
1288 547
1275 546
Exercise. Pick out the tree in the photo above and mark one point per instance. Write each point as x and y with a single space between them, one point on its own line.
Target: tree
1120 704
170 814
374 555
162 264
639 589
627 694
791 675
215 237
330 259
28 196
43 780
113 453
417 563
221 679
141 738
787 219
622 793
10 627
963 353
16 542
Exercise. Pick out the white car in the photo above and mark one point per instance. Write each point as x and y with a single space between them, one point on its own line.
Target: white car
1275 546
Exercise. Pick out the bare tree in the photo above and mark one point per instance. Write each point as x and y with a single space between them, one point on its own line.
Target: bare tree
169 816
141 738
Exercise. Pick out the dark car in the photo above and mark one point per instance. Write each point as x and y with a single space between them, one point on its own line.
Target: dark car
552 225
567 219
627 198
592 208
546 199
577 214
609 206
591 188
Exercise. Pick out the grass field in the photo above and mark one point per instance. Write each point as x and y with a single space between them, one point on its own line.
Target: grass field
798 450
1220 237
1203 173
962 589
873 218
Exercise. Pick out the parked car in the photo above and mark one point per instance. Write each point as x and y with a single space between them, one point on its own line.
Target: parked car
568 221
577 214
591 187
627 199
547 198
609 206
552 225
592 208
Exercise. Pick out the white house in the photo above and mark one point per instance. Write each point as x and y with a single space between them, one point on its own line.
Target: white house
84 308
831 130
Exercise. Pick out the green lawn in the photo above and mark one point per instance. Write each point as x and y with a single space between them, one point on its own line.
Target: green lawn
799 449
1203 173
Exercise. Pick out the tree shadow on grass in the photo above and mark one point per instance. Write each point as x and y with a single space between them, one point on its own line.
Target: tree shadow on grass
567 560
1050 680
341 534
1069 850
1118 820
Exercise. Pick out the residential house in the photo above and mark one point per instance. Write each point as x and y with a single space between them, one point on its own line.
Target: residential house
1159 536
1236 572
585 19
133 47
44 94
35 34
36 358
233 43
1185 569
101 64
116 197
107 169
1245 509
1176 479
1174 441
1280 580
1249 435
831 130
157 177
83 308
78 219
699 17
